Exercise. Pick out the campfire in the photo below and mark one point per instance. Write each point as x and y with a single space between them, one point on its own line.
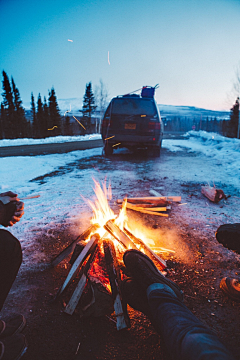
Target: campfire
108 237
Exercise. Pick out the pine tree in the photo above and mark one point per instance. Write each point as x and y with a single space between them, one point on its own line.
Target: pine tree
88 106
2 117
35 126
41 119
67 126
234 119
20 121
45 124
54 114
8 106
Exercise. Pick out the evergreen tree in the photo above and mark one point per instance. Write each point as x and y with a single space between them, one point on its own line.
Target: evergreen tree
46 118
234 119
2 116
67 126
88 106
35 128
54 114
8 106
42 116
20 121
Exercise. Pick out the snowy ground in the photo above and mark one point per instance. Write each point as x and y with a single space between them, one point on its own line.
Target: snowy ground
59 214
48 140
60 183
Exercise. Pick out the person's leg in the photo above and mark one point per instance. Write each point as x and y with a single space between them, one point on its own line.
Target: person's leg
10 261
184 335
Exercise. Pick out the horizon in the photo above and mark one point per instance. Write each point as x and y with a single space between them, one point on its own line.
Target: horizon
187 47
167 105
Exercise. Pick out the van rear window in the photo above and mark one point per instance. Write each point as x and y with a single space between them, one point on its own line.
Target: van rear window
128 106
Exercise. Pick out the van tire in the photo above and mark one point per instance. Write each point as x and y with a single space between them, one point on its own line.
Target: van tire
108 150
156 151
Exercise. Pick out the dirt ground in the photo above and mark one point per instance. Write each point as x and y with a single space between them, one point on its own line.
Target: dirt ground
197 266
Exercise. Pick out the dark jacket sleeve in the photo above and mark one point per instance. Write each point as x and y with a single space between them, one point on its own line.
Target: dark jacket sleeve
2 212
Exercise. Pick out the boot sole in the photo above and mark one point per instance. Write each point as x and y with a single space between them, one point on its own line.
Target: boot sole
156 272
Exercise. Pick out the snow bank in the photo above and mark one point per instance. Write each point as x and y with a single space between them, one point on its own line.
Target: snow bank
48 140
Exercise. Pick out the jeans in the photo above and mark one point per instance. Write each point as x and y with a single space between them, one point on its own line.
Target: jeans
186 338
10 261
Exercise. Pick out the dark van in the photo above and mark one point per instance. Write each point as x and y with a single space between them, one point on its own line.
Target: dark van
132 121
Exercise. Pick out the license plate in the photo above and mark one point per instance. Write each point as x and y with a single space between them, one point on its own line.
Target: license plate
130 126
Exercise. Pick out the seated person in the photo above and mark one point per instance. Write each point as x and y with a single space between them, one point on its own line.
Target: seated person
12 343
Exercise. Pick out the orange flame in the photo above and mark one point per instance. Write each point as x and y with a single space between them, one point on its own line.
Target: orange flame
102 212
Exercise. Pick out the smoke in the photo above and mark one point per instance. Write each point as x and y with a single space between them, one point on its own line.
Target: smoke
165 241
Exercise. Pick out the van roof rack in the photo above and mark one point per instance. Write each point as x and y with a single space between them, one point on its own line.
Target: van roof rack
146 91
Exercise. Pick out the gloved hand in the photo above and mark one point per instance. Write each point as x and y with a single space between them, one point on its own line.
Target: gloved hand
11 209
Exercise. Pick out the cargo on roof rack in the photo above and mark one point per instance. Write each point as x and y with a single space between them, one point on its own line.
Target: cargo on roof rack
148 91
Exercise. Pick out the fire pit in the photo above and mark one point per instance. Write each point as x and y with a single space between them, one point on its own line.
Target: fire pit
110 236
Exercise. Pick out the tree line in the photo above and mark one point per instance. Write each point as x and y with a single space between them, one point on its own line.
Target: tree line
225 127
46 120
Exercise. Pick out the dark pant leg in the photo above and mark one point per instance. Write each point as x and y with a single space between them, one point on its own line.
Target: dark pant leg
10 261
186 338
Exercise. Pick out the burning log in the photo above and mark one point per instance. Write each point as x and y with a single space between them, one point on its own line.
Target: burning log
90 246
112 264
78 249
81 284
213 194
149 251
70 248
119 235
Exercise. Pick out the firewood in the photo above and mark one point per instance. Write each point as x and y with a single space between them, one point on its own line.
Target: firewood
113 271
81 284
70 248
78 249
213 194
90 246
148 250
152 199
139 208
119 235
145 211
147 204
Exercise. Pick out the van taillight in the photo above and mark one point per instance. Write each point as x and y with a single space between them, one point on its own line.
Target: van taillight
153 125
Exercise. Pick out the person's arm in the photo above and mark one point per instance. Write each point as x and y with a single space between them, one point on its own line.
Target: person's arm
11 209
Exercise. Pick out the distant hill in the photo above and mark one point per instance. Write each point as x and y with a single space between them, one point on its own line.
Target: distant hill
167 111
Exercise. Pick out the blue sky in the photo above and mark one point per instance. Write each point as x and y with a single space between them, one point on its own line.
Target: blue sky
189 47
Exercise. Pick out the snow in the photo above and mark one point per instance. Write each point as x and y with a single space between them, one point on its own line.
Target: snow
48 140
224 150
60 193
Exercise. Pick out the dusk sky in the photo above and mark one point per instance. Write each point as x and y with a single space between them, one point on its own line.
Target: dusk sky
189 47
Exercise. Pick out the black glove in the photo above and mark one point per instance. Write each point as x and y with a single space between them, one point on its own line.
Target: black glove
6 212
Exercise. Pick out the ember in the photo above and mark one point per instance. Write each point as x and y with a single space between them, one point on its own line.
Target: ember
110 236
